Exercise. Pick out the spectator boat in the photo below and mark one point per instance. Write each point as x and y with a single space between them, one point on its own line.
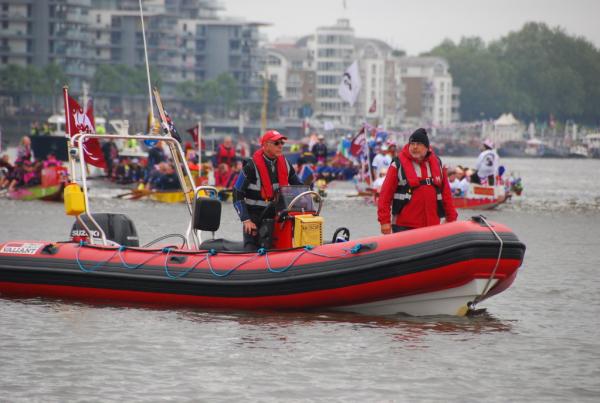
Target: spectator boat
482 197
50 188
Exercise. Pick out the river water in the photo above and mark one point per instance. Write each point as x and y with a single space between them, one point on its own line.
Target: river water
538 341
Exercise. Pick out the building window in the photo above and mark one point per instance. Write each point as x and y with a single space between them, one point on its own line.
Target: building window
5 24
98 18
4 7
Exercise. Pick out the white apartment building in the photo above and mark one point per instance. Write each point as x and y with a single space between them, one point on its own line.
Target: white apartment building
291 69
396 91
332 49
380 100
428 91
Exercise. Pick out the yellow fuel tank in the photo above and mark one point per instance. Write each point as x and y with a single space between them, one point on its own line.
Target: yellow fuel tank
308 230
74 200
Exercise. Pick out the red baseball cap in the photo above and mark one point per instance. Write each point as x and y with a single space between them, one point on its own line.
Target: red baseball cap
272 135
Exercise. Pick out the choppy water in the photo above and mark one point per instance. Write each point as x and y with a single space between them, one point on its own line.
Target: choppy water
540 340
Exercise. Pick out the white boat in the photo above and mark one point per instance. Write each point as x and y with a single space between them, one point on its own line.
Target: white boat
592 141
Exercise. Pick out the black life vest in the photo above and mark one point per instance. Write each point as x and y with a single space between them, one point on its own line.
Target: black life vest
403 193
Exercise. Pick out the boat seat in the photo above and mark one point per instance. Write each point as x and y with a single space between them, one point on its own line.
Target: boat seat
223 245
207 214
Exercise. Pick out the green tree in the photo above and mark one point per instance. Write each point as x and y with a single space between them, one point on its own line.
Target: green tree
534 72
123 80
274 97
219 96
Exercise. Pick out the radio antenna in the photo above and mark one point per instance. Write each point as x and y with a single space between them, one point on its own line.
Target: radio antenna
150 111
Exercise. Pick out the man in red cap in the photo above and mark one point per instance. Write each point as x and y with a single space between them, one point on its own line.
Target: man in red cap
416 189
258 186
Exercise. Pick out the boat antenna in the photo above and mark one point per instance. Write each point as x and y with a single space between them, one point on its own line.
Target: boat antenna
150 110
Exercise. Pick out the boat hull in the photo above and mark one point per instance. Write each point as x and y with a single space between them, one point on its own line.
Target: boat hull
430 271
477 204
48 193
481 197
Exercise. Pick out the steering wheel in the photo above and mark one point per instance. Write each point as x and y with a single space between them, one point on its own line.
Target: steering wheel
342 234
309 192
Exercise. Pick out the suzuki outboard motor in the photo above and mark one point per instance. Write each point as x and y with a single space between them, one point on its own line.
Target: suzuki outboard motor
117 228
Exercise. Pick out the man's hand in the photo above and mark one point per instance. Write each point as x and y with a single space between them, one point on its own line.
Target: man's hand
386 229
249 227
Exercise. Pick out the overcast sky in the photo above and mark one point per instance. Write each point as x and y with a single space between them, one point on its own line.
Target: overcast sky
419 25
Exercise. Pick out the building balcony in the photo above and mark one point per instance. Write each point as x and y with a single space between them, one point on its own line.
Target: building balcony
75 36
14 17
106 45
7 52
15 34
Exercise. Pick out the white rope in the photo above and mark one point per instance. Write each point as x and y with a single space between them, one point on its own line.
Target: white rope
489 282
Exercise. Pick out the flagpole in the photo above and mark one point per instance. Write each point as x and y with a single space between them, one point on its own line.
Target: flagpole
199 148
151 112
68 133
368 154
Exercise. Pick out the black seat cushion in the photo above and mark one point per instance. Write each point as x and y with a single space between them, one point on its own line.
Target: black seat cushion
223 245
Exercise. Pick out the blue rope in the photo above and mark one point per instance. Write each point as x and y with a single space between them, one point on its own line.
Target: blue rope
127 266
187 271
356 248
94 267
228 272
346 251
294 260
308 249
183 273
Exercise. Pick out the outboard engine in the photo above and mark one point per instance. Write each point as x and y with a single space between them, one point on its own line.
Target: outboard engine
117 228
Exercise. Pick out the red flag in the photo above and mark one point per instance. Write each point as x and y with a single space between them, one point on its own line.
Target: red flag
358 143
194 133
80 122
373 107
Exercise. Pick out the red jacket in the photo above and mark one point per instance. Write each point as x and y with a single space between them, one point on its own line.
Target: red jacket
225 155
421 210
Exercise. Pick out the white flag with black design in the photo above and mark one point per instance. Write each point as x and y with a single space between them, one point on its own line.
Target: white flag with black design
350 85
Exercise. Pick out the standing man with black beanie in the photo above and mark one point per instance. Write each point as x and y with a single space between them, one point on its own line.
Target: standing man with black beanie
415 189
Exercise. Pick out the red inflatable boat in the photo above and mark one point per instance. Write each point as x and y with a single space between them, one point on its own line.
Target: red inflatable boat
435 270
445 269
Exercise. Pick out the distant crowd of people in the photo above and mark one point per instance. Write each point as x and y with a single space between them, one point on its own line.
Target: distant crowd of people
26 171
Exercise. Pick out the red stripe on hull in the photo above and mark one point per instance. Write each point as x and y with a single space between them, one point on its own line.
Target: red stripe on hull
446 277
